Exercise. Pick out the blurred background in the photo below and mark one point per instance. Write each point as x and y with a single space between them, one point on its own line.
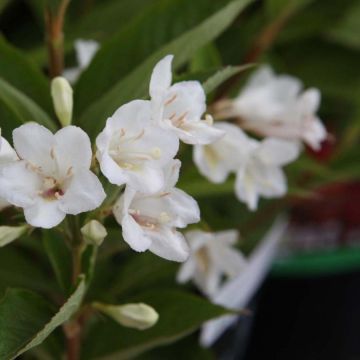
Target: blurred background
308 307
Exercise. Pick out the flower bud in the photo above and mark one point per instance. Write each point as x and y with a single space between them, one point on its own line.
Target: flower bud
94 233
62 95
11 233
139 316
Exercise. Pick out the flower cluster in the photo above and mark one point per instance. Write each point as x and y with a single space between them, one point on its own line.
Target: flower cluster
49 175
271 106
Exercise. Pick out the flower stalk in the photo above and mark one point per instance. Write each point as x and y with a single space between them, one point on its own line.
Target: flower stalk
54 23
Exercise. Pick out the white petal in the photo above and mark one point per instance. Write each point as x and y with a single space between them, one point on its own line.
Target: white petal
185 207
185 98
84 193
310 100
278 152
133 234
209 164
161 77
246 189
72 148
33 142
229 260
148 180
113 172
45 214
227 237
19 185
85 51
199 132
186 271
7 153
315 133
272 182
171 173
134 116
169 244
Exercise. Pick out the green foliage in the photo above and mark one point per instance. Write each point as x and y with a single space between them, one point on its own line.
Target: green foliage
136 82
180 314
26 320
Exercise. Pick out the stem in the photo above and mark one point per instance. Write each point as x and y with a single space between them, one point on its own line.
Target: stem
54 23
73 328
261 44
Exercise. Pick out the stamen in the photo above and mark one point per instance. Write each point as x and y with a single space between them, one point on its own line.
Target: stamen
209 119
170 100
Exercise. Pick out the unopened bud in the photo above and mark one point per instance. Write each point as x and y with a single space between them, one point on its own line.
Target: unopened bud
62 95
11 233
94 233
139 316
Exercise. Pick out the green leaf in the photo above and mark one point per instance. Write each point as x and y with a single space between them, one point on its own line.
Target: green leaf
60 258
21 73
26 319
347 31
183 48
207 57
22 108
180 314
222 75
160 22
141 272
22 268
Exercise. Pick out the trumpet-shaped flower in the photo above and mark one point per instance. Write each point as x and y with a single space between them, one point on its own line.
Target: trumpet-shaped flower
212 256
217 160
132 150
273 105
237 292
257 163
52 176
149 222
261 174
85 50
7 155
179 107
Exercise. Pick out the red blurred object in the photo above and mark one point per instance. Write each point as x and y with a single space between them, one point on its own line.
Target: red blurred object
331 219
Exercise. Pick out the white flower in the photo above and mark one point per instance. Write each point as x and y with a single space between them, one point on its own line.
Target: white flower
85 50
257 163
237 292
212 256
132 150
217 160
261 174
52 177
7 155
179 107
149 222
272 105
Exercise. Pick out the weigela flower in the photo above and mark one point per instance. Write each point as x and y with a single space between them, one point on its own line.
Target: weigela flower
212 256
237 292
217 160
7 155
85 50
149 222
132 150
272 105
257 163
52 176
179 107
261 174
